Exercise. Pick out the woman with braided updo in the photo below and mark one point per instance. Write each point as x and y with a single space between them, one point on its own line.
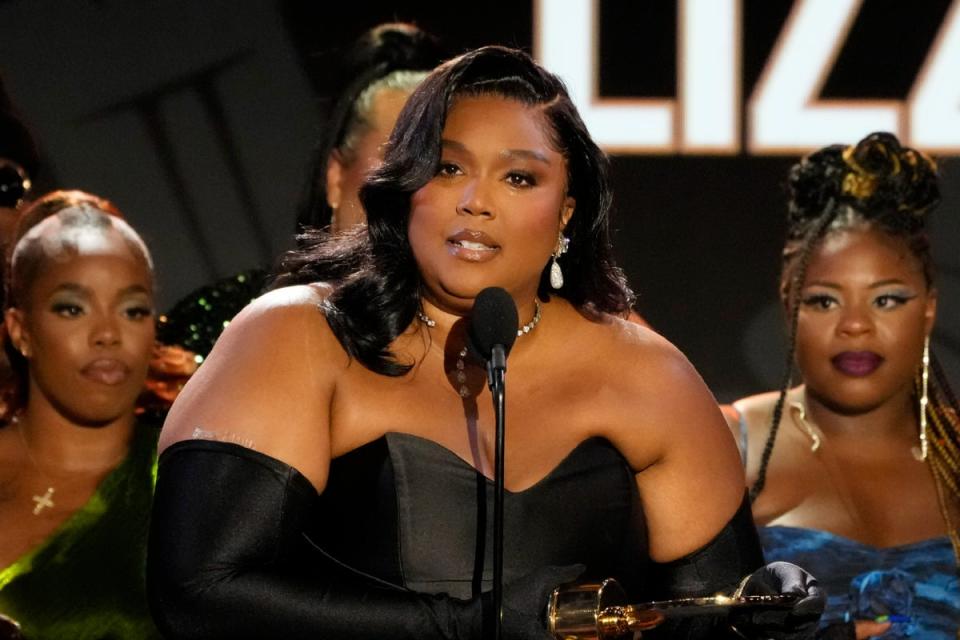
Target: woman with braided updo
862 486
376 76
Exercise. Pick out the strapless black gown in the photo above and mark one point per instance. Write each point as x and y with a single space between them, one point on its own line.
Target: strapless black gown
241 544
409 511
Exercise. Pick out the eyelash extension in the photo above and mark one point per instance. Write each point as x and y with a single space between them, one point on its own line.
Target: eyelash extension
142 311
899 297
64 307
816 299
528 178
447 168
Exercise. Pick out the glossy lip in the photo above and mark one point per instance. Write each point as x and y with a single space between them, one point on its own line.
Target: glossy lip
857 363
480 249
108 371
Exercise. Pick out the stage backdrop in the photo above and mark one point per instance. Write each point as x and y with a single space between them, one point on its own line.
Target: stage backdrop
197 119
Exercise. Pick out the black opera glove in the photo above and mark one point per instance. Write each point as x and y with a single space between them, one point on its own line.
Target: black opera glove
228 558
524 602
717 567
796 623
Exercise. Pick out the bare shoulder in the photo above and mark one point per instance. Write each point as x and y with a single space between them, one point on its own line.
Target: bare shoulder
755 411
659 395
282 305
757 407
667 423
278 329
654 363
755 414
268 382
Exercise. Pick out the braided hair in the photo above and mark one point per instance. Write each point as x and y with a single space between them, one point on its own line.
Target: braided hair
883 185
943 421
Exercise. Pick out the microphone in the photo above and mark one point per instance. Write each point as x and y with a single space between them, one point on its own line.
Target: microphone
493 324
491 334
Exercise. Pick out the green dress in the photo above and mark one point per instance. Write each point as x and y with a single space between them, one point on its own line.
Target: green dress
86 580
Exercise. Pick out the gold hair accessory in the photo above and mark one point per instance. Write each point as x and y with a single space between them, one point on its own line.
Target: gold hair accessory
857 183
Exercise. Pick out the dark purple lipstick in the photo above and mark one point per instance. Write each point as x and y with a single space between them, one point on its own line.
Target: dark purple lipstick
857 363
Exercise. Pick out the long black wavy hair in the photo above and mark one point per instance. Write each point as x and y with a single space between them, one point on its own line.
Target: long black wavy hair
378 287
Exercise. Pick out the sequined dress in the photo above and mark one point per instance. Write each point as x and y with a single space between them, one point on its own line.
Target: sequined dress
197 320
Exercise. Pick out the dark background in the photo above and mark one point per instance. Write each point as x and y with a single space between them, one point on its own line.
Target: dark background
197 118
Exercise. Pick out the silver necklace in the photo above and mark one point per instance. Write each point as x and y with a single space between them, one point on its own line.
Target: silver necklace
461 373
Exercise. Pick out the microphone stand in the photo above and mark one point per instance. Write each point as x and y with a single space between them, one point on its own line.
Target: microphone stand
496 379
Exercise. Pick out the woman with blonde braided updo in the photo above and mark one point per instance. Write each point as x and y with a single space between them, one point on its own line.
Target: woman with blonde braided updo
862 486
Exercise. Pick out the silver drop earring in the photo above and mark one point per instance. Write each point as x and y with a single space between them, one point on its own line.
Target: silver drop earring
556 274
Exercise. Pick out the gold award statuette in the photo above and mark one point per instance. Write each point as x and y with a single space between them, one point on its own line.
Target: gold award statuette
596 612
600 611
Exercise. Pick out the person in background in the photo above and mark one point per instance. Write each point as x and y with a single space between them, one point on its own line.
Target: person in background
326 471
19 163
378 73
170 365
15 186
855 471
76 464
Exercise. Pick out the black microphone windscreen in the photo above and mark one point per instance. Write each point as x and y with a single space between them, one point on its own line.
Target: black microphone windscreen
494 320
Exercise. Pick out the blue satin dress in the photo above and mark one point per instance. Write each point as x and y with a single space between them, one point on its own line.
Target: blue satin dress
918 581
